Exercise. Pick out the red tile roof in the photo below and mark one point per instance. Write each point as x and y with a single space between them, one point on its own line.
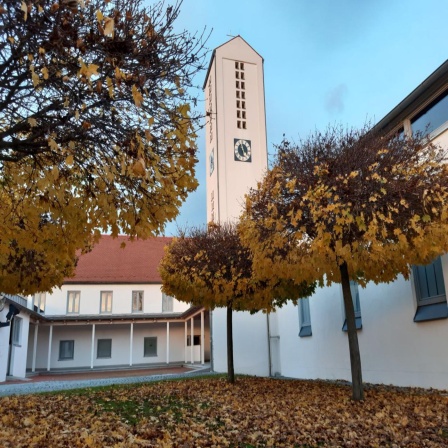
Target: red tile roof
137 262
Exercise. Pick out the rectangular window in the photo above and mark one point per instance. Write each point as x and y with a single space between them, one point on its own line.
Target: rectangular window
104 348
432 116
106 302
196 340
167 303
137 301
73 299
354 289
150 346
16 330
66 350
39 302
430 292
304 318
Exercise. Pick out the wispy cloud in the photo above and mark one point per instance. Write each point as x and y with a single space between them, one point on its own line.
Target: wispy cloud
334 100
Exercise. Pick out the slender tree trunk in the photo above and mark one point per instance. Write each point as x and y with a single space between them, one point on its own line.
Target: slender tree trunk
355 357
230 368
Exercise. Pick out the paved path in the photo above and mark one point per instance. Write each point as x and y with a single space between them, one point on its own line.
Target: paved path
55 382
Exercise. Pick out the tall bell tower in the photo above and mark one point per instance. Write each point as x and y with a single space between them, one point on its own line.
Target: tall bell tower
235 129
237 159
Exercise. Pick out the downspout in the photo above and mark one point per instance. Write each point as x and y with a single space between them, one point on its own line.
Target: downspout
269 344
212 354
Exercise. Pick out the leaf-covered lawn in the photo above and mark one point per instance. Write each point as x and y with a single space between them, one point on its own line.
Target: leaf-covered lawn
209 412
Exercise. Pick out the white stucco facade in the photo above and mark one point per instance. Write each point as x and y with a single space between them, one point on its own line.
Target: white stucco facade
124 328
234 99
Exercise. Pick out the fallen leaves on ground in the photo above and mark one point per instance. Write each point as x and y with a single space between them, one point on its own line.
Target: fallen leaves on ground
210 412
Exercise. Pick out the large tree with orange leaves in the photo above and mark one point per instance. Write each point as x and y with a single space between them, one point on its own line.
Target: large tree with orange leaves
349 205
96 132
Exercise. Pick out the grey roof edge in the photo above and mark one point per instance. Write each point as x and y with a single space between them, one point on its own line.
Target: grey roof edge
117 317
419 95
11 298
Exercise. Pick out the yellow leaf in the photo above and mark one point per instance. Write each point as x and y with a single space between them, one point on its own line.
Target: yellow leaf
99 16
89 70
32 122
139 168
138 97
45 72
11 39
24 8
109 25
69 160
52 144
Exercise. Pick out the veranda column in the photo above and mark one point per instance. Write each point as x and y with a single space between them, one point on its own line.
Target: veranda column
50 340
131 343
92 346
202 337
186 337
167 342
36 329
192 340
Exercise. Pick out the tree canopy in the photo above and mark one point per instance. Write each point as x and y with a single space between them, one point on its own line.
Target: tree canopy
379 204
210 267
349 205
96 131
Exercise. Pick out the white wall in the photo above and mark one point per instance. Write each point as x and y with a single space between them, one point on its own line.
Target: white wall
4 345
250 342
394 349
56 302
19 351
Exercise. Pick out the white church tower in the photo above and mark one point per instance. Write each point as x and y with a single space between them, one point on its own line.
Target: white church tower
236 152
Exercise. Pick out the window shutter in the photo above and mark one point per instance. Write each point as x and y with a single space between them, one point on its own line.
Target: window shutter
304 318
430 286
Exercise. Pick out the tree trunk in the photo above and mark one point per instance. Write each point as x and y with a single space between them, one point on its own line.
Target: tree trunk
355 357
230 368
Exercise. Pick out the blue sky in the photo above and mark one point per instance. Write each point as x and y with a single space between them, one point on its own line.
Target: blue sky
325 62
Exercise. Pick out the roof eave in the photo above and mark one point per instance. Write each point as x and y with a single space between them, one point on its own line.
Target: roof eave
418 96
